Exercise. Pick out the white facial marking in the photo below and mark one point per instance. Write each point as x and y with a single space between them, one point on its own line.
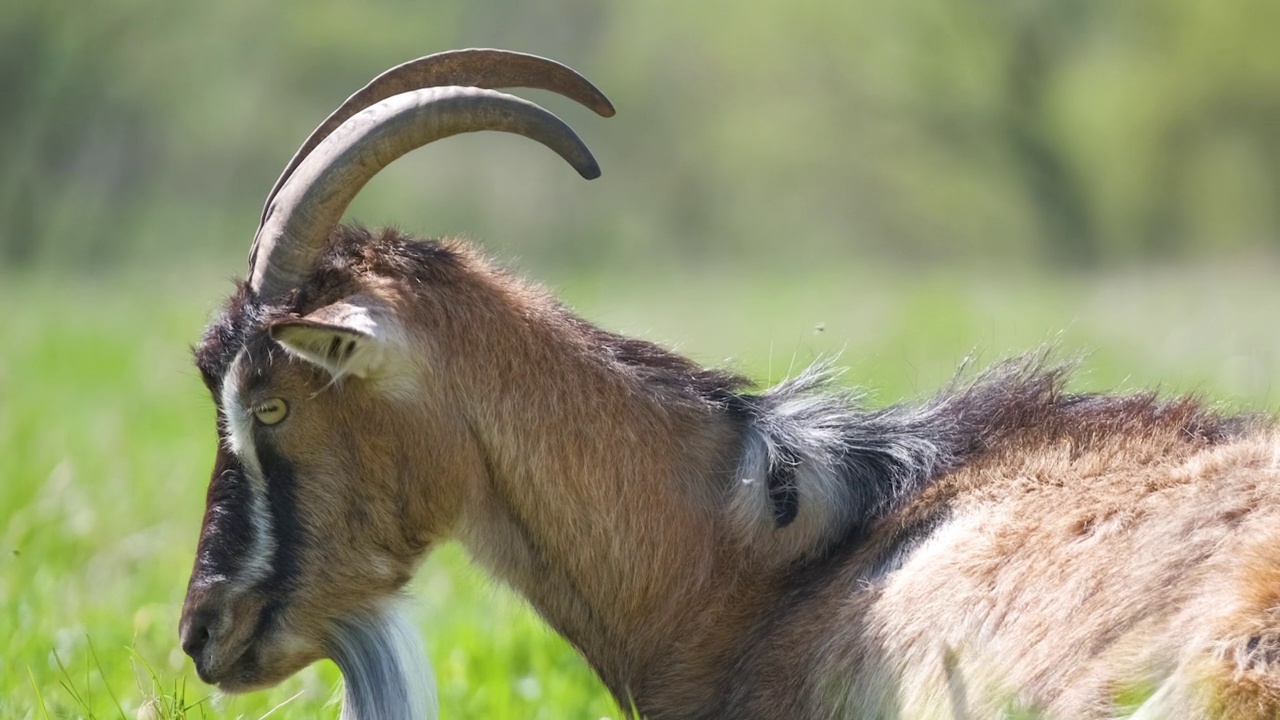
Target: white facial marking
239 435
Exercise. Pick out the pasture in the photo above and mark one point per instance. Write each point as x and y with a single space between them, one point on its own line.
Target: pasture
107 438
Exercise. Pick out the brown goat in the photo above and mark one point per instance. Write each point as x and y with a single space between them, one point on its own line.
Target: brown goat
712 551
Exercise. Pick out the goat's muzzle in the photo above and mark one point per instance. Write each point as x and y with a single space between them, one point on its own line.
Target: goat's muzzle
218 629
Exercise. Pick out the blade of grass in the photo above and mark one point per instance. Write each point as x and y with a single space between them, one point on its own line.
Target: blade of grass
69 685
282 704
93 653
39 696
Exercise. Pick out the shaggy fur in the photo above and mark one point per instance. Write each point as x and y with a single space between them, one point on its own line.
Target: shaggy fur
719 552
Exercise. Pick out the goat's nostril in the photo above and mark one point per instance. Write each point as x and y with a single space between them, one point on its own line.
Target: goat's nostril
196 634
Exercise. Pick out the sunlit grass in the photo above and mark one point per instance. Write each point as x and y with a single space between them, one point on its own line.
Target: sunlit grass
106 439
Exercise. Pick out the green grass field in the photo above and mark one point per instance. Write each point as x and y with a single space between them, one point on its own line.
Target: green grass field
106 440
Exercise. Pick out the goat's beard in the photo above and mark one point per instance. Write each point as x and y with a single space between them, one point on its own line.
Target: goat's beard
384 669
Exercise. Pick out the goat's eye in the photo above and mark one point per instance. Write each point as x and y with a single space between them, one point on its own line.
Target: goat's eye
271 411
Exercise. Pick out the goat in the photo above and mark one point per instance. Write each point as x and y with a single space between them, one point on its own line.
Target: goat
711 550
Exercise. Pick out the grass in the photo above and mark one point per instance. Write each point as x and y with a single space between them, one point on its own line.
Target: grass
106 440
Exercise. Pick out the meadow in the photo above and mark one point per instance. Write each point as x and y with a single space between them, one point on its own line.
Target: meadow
1131 147
106 440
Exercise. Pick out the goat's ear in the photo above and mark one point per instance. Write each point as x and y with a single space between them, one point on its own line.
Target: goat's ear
351 337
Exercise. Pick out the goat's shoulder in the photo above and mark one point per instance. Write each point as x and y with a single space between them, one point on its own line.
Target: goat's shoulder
821 477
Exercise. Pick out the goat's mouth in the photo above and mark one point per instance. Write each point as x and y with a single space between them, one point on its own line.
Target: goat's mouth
231 669
256 662
248 671
243 641
249 680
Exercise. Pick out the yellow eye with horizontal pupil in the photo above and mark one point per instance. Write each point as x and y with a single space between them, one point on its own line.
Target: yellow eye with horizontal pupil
271 411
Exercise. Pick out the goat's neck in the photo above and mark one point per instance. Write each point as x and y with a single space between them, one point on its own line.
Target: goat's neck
604 500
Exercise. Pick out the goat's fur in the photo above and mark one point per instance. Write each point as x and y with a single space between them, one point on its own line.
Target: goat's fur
718 552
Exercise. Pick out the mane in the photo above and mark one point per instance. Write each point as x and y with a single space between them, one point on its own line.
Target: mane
818 470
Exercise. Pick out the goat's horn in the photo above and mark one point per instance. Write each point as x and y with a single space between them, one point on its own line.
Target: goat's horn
312 200
491 69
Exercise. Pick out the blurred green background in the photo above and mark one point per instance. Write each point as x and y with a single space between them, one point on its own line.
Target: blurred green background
1076 133
904 183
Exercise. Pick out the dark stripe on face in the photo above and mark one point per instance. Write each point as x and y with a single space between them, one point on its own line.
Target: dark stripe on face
282 507
227 535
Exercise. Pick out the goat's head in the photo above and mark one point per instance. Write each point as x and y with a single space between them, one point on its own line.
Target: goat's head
305 536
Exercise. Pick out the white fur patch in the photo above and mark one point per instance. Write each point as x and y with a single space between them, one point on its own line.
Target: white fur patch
384 668
239 437
812 424
839 464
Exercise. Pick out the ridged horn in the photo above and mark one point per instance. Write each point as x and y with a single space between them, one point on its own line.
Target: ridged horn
477 67
312 199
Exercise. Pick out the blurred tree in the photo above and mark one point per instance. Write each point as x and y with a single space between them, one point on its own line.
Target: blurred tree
79 147
1042 37
1077 131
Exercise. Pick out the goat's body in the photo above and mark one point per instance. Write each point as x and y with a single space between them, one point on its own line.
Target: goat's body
1006 545
1095 557
1075 581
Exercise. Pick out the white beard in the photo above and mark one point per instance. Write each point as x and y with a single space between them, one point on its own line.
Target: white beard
385 671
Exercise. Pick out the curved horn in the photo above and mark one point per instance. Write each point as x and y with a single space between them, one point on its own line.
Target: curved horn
313 198
482 68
